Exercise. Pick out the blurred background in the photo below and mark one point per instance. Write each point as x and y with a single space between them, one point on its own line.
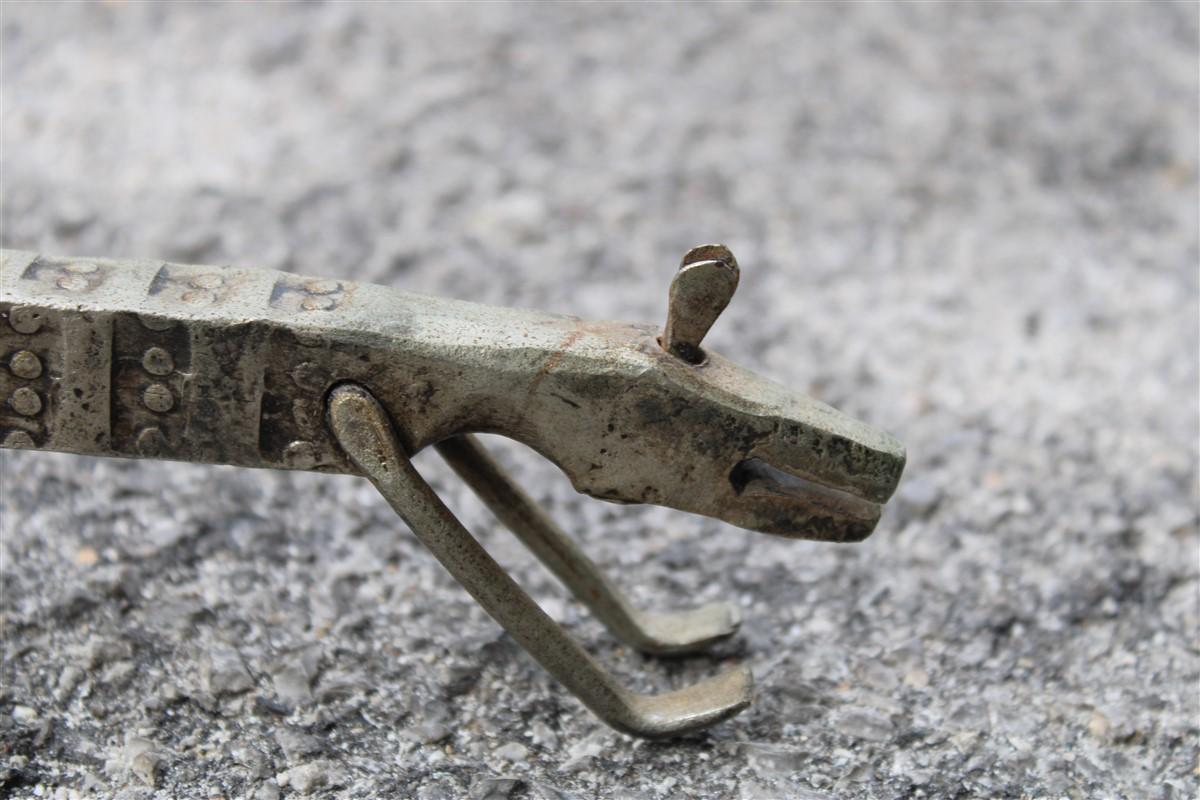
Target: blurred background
973 225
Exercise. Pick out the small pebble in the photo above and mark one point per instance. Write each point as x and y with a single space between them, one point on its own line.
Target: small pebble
24 714
513 751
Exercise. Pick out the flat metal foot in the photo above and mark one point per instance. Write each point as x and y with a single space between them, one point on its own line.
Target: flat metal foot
657 633
365 432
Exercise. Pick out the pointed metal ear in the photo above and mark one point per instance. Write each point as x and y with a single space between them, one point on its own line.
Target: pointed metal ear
702 288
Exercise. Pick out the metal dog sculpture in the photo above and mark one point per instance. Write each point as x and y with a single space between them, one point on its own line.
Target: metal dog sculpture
145 359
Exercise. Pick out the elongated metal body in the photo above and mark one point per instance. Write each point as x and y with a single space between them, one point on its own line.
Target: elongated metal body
148 359
231 366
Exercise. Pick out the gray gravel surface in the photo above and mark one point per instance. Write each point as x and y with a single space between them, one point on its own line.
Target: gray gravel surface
972 225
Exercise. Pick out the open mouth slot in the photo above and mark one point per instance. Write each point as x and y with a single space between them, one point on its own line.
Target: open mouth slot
754 477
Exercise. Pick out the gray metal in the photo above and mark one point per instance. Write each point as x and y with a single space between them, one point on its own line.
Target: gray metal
363 428
237 366
659 633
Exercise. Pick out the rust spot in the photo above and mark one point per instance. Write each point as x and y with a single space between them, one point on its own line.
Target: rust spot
555 358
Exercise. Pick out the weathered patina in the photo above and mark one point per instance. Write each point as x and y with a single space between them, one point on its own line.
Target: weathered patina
267 369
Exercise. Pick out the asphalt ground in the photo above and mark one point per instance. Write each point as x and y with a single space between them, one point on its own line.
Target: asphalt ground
972 225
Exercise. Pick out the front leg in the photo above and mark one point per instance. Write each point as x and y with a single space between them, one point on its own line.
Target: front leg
658 633
365 432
